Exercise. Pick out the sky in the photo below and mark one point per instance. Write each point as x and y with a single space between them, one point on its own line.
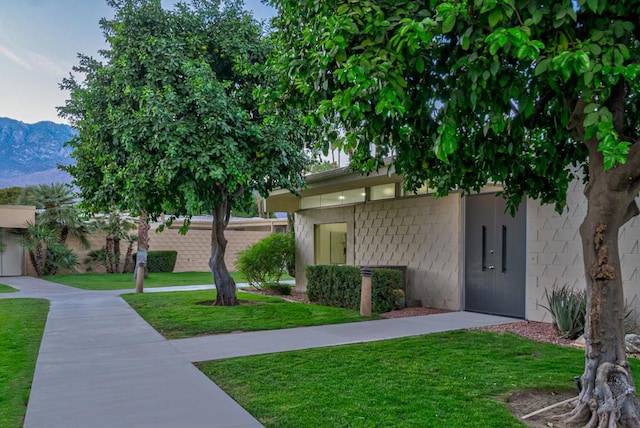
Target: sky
39 43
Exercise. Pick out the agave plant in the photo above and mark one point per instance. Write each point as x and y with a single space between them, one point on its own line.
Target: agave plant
568 308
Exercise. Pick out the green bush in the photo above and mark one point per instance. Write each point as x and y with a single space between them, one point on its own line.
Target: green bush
339 286
568 308
266 260
159 261
277 288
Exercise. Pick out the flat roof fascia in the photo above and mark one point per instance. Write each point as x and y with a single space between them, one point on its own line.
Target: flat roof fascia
16 216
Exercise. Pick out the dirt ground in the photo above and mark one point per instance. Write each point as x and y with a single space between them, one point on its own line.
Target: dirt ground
524 402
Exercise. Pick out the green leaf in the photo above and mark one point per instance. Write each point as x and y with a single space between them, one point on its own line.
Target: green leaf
448 23
590 108
419 65
581 62
465 42
591 119
495 67
542 66
593 5
495 17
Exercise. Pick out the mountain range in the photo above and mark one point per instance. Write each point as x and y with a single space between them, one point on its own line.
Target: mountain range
30 153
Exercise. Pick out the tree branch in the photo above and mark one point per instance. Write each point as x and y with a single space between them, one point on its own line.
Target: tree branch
623 176
616 104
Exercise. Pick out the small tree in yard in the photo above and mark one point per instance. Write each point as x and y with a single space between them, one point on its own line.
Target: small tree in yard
167 121
532 94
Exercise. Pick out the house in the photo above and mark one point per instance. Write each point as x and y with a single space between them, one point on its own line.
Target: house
460 252
12 255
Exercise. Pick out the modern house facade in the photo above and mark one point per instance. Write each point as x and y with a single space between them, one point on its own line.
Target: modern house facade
460 252
12 255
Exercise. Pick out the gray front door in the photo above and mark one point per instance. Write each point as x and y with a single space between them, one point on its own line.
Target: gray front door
495 257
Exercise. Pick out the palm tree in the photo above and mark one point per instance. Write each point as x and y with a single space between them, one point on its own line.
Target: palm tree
57 204
57 212
37 239
128 257
116 228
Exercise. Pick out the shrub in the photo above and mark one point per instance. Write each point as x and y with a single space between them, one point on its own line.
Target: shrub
266 260
160 261
340 286
568 307
277 288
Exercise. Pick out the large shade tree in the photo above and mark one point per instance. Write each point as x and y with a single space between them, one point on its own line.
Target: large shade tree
167 121
529 93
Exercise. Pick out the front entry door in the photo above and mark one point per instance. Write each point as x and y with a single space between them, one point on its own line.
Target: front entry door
495 257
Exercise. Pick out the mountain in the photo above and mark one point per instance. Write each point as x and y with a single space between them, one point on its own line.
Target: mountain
30 153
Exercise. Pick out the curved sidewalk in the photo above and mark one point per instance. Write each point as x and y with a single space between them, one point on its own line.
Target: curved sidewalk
101 365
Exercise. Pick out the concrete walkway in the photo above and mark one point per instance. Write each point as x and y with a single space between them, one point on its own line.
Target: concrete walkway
101 365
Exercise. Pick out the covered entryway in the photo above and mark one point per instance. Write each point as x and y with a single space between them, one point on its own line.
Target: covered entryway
495 257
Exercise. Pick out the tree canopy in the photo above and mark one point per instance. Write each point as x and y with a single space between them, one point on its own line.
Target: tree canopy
531 94
167 121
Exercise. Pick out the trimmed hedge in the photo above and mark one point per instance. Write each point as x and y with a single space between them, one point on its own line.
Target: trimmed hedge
159 261
339 286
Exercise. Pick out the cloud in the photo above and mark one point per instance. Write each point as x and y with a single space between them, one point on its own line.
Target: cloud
6 52
49 65
34 61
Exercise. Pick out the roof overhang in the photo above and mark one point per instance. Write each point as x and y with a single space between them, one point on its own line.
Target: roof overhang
336 180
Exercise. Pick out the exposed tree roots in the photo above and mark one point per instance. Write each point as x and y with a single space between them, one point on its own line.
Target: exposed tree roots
612 403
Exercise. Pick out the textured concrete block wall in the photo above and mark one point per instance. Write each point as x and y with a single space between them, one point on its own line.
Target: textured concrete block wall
421 233
555 252
194 248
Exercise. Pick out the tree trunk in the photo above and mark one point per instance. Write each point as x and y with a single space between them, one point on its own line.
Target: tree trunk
109 249
608 395
143 246
116 254
38 259
225 285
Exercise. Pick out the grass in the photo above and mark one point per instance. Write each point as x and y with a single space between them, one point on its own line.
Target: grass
456 379
177 315
21 326
6 289
121 281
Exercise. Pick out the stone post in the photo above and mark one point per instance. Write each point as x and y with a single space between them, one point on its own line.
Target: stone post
365 292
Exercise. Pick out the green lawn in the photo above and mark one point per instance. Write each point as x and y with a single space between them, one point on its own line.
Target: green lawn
456 379
105 281
178 315
6 289
21 326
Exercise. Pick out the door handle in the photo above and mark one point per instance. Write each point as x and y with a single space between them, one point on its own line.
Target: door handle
504 248
484 248
492 267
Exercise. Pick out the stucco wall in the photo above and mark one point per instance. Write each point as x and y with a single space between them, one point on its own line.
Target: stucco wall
421 233
555 252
